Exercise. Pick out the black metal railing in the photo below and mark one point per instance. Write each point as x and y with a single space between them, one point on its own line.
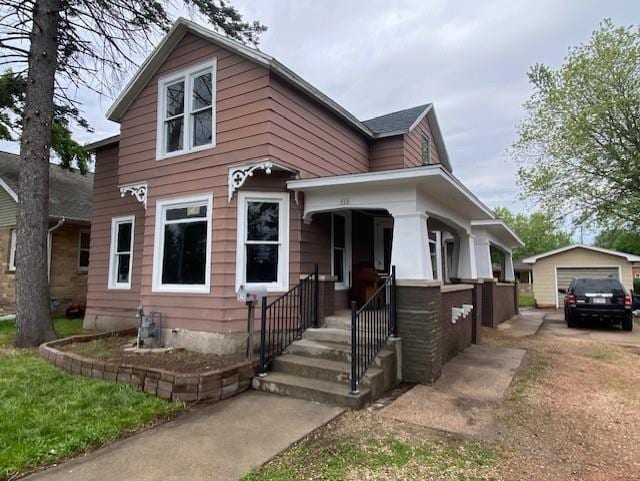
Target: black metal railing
371 326
286 318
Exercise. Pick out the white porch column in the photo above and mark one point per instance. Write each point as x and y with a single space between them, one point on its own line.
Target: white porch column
484 269
509 275
467 257
410 249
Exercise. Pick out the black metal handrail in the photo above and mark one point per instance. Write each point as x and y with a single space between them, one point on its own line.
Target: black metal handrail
286 318
371 326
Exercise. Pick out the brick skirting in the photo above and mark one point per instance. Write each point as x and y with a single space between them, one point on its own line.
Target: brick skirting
210 385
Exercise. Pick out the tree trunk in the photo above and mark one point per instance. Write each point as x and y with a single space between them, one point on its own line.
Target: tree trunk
33 311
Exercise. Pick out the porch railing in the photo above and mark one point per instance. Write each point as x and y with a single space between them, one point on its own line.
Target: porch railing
371 326
286 318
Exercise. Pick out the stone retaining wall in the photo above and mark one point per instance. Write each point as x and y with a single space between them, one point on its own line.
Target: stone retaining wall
175 386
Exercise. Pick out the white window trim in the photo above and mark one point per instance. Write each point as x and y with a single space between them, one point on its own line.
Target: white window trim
12 251
438 253
158 245
379 224
186 74
346 257
282 283
115 222
80 249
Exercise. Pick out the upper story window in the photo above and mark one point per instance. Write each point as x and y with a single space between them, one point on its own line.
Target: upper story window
187 111
426 150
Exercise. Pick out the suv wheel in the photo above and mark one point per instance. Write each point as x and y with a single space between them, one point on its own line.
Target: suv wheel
627 322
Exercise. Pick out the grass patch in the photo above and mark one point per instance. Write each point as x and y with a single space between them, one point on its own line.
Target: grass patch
530 376
526 299
64 328
48 414
601 352
351 458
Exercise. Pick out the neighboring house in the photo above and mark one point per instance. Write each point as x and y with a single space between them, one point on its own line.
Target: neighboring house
69 234
523 275
556 269
231 173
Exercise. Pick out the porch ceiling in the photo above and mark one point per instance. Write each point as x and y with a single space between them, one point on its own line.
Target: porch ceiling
499 231
430 183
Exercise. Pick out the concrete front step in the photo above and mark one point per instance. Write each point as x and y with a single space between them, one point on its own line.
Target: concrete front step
324 369
324 350
335 335
311 389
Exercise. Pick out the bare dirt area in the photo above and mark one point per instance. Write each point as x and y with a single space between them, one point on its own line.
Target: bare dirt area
574 414
111 349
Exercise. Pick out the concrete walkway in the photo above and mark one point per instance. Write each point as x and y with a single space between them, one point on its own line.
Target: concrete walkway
527 323
465 398
218 442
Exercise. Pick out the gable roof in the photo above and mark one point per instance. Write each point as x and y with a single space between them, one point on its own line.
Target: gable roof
69 192
601 250
395 123
180 28
400 121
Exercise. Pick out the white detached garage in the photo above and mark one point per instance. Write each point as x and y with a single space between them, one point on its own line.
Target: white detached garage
556 269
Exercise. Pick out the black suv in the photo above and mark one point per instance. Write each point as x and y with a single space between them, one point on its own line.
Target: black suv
602 299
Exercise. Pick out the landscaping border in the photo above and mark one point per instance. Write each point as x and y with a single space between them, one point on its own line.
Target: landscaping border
210 385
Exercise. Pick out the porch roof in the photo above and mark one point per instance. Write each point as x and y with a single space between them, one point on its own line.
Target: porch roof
501 231
433 181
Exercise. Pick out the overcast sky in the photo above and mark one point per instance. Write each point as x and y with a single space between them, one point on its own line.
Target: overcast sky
469 58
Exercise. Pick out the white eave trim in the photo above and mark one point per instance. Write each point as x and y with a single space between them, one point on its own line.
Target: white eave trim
91 147
177 32
500 225
411 173
629 257
9 190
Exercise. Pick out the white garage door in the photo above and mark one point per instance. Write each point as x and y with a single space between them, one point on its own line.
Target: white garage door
564 276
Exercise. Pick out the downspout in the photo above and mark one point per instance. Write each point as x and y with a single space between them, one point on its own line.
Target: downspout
50 242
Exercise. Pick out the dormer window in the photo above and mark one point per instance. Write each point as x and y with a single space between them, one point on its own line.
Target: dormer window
186 111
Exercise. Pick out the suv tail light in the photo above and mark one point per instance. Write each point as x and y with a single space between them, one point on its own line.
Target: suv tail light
571 299
627 301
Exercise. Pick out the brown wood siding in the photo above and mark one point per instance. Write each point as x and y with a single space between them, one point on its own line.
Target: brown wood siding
387 153
413 145
107 203
308 137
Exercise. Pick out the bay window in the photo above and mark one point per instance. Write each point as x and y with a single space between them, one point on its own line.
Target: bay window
262 258
182 245
121 252
186 110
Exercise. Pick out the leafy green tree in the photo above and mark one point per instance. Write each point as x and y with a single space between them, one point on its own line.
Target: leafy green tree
579 144
538 231
54 47
619 240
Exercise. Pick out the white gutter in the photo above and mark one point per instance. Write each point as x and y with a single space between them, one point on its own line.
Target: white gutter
50 242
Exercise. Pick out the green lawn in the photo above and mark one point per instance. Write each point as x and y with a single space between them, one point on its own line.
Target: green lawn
64 328
350 458
526 299
48 415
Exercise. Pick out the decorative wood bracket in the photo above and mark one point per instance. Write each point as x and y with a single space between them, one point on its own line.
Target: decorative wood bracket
458 312
139 191
238 175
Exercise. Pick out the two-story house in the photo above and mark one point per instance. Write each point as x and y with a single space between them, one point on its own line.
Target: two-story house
232 173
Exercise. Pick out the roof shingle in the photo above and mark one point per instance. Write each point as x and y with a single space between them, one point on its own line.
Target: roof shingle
395 121
69 192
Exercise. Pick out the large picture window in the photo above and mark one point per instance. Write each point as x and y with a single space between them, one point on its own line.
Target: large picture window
182 249
186 110
263 240
121 257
